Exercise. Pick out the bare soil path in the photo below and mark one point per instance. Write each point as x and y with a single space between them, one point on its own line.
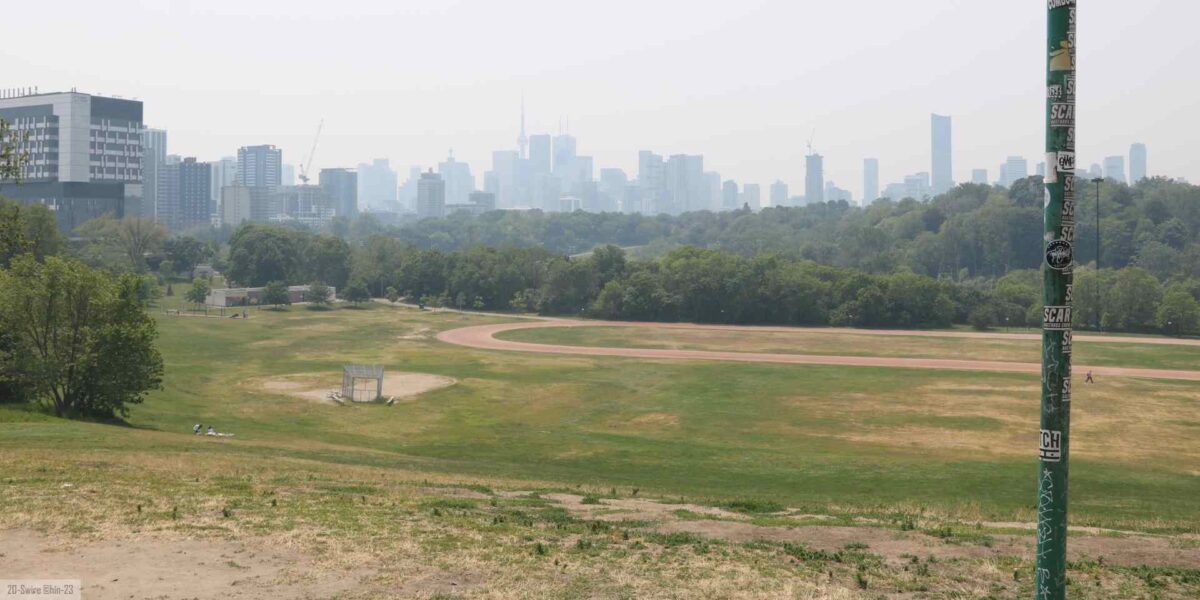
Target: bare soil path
483 337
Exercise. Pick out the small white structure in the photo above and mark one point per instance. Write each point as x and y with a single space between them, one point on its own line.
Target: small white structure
362 383
225 297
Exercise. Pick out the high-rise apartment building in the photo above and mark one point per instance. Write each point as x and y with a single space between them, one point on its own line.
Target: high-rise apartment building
341 185
1137 163
814 179
779 193
287 174
564 154
235 205
85 154
870 180
941 150
1114 168
154 156
979 176
260 166
185 194
431 195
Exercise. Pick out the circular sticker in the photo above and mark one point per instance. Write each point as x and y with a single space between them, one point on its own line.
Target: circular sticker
1059 255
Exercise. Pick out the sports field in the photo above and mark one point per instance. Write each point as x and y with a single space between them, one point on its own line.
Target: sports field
547 474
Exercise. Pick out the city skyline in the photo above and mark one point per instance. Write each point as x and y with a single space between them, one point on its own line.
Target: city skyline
698 86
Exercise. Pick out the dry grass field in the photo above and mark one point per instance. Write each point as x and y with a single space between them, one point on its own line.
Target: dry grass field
586 477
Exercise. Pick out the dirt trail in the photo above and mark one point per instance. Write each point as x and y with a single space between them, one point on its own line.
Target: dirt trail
483 337
171 568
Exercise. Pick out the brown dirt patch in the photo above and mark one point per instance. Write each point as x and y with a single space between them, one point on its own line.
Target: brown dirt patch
317 387
173 568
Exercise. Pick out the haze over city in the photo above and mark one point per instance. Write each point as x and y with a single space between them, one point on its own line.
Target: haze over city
745 85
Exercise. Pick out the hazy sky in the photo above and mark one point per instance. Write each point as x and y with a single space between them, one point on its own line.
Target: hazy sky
743 82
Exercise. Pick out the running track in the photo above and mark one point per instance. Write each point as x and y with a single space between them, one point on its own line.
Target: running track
483 337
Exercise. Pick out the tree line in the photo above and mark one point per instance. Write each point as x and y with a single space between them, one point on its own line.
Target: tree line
705 285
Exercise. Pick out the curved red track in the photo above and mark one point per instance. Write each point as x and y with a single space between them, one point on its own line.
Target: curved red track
483 337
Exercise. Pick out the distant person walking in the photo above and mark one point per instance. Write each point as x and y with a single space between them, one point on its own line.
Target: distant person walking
1089 379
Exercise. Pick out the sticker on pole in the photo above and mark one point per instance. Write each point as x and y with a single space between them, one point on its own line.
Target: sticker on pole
1066 342
1059 255
1056 317
1050 450
1066 162
1062 114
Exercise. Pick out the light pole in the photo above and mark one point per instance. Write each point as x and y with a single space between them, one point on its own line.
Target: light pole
1050 575
1099 300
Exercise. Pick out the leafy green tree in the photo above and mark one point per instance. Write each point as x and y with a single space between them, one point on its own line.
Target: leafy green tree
317 294
327 259
262 253
1132 301
1179 313
166 269
275 294
392 295
199 292
357 293
120 245
185 252
83 341
27 229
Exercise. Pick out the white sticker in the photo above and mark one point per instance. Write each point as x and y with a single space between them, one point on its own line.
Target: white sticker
1066 341
1066 390
1062 114
1051 172
1056 317
1066 162
1050 450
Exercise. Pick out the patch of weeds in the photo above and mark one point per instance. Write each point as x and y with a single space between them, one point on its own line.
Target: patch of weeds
752 506
856 546
671 540
451 503
590 499
805 554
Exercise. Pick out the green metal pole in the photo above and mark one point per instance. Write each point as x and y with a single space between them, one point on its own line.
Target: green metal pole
1059 238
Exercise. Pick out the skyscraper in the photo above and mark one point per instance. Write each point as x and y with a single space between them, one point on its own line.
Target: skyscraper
1014 169
870 180
611 189
341 185
814 179
652 179
685 183
979 176
85 154
943 173
377 185
260 166
1137 163
540 154
779 193
1114 168
564 154
751 196
458 179
431 195
729 195
287 174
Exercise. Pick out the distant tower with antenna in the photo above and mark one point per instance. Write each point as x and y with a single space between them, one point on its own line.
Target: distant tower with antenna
523 140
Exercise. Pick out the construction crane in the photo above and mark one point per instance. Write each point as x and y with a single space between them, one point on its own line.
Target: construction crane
810 140
304 168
